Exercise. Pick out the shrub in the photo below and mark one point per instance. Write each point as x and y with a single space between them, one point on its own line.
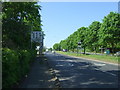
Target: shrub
15 65
10 67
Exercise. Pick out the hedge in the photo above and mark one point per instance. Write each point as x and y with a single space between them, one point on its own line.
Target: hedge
15 65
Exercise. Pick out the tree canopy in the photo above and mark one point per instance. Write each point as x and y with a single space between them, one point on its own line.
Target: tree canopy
19 19
109 34
96 35
56 46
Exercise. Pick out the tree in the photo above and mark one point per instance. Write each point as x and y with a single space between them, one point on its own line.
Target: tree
92 35
50 49
75 40
56 46
105 34
19 19
63 44
82 37
109 34
71 43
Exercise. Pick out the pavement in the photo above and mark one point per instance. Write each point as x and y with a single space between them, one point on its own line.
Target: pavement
41 75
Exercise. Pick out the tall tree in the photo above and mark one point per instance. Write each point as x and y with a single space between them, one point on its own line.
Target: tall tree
106 34
82 37
109 34
63 44
19 19
92 35
56 46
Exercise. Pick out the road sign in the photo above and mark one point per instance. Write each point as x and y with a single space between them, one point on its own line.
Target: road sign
37 36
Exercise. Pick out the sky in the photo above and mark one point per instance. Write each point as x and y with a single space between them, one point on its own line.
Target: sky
60 19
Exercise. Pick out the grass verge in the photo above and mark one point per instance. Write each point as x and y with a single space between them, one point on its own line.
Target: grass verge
105 58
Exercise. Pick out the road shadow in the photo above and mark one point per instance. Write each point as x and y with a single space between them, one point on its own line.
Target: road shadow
77 73
39 75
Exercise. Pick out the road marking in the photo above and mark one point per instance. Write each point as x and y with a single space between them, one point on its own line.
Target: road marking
94 82
99 64
106 72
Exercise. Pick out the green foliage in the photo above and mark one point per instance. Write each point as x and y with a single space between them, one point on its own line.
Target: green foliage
50 49
56 46
18 20
82 35
15 64
97 35
92 34
109 34
9 67
63 44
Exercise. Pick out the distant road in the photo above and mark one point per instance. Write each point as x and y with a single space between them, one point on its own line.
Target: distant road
82 73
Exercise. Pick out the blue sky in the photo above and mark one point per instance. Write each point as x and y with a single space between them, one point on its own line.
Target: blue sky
60 19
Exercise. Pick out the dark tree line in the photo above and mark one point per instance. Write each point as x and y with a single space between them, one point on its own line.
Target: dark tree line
18 20
97 35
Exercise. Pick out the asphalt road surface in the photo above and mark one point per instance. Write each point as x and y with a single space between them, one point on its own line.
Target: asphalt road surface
82 73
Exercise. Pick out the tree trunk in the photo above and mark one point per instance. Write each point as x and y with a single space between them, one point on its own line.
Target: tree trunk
77 50
84 50
67 49
112 48
73 50
95 50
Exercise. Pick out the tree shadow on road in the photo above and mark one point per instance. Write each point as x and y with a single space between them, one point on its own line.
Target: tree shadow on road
77 73
39 75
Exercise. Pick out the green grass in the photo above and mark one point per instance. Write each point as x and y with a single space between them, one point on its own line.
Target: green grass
105 58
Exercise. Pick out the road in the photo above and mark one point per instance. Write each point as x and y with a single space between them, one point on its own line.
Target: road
82 73
39 76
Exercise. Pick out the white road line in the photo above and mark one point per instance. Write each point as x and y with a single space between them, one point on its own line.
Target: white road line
99 64
106 72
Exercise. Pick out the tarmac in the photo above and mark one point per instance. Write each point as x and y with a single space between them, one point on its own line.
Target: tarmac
41 75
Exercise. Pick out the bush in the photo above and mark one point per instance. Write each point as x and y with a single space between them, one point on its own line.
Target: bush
15 65
10 62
